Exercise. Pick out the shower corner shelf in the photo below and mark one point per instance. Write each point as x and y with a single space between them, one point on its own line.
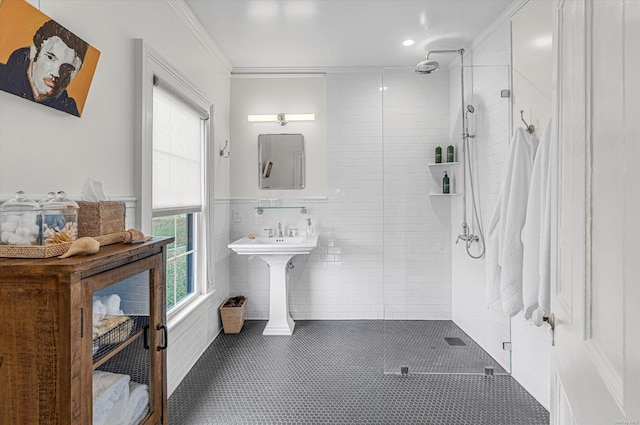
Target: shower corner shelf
444 194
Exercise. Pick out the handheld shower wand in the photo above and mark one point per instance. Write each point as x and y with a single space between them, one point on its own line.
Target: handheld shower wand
466 236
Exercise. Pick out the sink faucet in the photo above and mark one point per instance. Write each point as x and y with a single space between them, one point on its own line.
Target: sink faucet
280 230
270 232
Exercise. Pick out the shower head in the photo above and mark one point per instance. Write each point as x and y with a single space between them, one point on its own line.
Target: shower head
471 109
427 67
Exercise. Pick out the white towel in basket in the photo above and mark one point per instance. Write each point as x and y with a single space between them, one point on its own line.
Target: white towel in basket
111 303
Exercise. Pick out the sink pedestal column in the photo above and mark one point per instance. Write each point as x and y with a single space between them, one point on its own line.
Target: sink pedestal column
280 322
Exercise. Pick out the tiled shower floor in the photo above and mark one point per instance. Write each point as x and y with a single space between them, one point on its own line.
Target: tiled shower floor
331 372
421 345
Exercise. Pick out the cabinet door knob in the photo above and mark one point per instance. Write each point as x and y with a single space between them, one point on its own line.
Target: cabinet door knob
166 337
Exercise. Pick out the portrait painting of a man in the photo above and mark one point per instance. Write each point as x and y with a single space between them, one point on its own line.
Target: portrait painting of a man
44 69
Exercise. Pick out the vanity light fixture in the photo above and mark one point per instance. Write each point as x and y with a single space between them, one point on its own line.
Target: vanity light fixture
281 118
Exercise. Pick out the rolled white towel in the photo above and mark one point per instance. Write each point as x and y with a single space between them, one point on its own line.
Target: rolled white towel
99 310
111 303
138 405
108 388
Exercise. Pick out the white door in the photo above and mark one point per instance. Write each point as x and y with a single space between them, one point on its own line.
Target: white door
596 250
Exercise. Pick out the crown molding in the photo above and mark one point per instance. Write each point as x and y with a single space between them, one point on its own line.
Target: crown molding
302 71
194 25
504 17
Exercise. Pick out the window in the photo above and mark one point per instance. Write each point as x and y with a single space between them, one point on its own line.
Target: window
180 255
179 133
172 185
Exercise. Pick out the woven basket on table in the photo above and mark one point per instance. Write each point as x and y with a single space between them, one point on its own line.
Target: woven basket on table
233 316
55 250
100 218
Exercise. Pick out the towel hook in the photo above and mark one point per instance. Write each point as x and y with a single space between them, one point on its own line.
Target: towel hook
530 127
222 154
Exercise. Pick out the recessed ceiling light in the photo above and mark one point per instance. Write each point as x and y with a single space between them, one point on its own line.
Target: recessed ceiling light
408 43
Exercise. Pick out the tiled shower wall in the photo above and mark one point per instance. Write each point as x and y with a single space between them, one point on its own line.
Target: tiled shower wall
491 124
384 249
417 237
486 74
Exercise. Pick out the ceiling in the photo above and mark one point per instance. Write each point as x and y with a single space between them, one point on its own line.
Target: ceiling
300 34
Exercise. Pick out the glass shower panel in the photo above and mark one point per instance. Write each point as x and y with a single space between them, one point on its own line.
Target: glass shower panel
435 318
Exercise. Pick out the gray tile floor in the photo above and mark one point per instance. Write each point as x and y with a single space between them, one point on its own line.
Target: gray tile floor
331 372
422 346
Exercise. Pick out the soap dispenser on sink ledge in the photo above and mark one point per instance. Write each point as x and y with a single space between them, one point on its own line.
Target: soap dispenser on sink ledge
310 231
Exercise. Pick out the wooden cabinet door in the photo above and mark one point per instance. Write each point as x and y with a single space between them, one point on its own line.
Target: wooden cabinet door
138 352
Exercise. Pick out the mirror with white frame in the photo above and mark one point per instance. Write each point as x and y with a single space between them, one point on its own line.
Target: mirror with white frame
281 161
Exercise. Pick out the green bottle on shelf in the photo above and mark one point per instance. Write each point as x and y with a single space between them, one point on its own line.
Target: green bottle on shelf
438 154
445 183
450 153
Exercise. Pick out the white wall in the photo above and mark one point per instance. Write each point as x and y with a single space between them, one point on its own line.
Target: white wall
486 74
273 94
42 149
342 278
417 224
532 87
491 123
532 61
384 248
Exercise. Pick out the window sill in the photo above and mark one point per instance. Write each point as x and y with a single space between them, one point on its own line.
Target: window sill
175 318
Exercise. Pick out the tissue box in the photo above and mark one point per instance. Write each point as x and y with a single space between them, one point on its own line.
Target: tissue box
100 218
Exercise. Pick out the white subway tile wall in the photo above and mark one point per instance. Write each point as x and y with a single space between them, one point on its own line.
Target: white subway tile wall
190 337
221 281
384 249
133 293
417 227
491 124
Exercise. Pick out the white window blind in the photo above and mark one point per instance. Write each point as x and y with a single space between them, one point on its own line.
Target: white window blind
178 130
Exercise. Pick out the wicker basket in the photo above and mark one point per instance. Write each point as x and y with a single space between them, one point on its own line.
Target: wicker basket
233 316
34 251
103 344
100 218
55 250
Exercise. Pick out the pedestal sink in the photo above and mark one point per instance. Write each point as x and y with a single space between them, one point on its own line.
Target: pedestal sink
277 251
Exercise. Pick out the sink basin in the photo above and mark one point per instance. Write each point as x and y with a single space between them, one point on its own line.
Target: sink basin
283 240
284 245
277 252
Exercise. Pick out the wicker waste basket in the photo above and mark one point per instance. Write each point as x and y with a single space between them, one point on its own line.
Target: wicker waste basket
232 312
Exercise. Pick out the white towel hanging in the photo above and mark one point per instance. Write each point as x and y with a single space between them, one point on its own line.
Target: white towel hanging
504 243
536 235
